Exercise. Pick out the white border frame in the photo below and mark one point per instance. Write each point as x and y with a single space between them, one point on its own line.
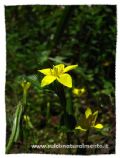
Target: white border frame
4 3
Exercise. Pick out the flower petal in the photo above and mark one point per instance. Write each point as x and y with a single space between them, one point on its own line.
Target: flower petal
59 66
45 71
47 80
88 112
76 91
80 128
68 68
66 80
99 126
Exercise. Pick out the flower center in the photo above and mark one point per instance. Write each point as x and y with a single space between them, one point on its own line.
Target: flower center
56 71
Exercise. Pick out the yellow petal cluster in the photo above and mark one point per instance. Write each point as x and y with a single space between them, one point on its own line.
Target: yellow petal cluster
57 73
78 91
89 121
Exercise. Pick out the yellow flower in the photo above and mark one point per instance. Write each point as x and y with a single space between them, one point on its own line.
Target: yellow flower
57 73
89 121
78 91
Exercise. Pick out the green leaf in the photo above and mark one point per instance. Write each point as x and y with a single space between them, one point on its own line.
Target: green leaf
16 127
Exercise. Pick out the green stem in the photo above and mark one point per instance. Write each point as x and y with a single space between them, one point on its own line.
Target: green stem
24 97
61 94
23 113
48 113
15 128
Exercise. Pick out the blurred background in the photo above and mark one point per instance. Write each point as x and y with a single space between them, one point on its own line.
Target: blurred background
42 36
